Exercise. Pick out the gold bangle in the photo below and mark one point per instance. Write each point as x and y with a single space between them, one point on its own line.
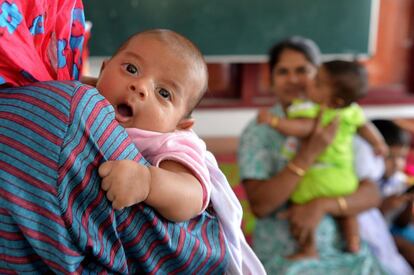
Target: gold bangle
274 121
343 205
296 169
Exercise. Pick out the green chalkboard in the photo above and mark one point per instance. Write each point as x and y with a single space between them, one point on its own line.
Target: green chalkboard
236 29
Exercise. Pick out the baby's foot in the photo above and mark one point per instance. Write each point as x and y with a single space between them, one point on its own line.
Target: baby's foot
353 244
306 253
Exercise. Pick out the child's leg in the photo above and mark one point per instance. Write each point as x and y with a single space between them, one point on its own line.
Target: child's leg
350 231
307 247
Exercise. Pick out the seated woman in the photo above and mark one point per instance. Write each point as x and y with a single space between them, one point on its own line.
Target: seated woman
53 137
263 155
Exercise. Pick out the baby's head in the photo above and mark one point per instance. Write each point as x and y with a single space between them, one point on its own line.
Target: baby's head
154 81
399 141
340 83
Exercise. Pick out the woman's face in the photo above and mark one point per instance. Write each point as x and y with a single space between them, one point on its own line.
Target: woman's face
292 76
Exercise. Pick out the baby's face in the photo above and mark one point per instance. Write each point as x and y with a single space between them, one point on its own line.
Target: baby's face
321 92
150 85
396 160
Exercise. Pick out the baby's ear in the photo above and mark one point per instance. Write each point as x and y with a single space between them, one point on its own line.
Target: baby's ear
339 102
185 124
103 65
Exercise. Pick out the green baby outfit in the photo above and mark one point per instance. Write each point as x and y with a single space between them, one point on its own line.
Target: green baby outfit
333 173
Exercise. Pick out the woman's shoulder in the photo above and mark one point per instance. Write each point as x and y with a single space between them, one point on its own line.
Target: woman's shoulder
62 84
66 89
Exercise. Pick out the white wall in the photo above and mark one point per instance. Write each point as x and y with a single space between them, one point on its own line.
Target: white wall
230 122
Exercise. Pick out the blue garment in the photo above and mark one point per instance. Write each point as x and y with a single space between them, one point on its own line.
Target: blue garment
53 214
406 232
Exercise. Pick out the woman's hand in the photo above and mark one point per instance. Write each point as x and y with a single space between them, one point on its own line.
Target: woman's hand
304 219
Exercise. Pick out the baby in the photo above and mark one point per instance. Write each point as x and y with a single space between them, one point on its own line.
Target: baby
337 87
154 81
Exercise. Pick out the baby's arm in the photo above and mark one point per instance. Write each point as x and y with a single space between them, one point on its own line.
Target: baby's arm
370 133
170 188
297 127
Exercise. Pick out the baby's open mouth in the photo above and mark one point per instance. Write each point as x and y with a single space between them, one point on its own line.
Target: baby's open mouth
123 112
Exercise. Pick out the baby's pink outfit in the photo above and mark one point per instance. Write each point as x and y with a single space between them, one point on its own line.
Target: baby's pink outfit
187 148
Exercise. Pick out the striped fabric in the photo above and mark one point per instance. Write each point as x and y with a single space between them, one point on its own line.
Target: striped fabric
54 216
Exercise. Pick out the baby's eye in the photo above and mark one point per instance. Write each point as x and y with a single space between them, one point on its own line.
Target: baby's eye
131 69
165 94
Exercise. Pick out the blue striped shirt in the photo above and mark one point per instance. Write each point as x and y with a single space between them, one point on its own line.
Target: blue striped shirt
53 214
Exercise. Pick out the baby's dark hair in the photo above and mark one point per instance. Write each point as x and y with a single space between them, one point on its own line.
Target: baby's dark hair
349 79
297 43
183 47
392 133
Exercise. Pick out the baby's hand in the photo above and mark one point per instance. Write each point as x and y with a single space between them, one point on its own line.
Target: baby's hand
125 181
264 116
381 149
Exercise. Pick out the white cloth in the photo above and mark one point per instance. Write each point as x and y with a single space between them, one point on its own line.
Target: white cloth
372 225
395 185
188 149
366 163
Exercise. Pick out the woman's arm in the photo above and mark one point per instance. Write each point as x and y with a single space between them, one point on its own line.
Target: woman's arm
267 195
304 218
366 196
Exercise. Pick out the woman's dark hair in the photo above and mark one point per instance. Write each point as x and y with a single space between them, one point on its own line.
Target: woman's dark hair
349 80
297 43
392 133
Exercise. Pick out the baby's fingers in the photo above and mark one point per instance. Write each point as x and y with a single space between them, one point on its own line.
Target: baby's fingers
105 168
123 200
110 196
117 205
105 184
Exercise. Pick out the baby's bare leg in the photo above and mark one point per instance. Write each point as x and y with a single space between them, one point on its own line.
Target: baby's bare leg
350 231
307 247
